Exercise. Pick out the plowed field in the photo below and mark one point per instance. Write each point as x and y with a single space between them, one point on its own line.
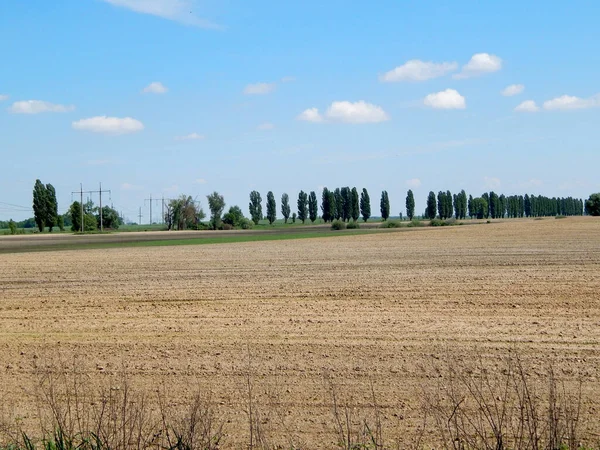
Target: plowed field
366 310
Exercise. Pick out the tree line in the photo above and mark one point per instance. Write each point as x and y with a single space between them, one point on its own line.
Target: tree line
342 203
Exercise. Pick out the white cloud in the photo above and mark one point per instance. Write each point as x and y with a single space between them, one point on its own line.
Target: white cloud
491 182
288 79
178 10
413 183
417 70
266 126
109 125
357 112
200 181
3 97
527 106
533 183
259 88
38 106
130 187
479 64
310 115
513 89
156 87
448 99
190 137
566 102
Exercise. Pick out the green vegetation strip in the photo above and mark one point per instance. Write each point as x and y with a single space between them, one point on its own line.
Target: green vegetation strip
189 241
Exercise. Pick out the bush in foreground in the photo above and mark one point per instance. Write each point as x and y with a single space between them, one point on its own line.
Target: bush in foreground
353 225
338 225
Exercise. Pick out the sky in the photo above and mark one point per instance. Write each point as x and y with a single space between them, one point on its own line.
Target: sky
168 97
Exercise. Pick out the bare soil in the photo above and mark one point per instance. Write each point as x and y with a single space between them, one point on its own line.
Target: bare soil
375 310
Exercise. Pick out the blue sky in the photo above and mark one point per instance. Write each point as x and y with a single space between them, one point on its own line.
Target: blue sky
164 97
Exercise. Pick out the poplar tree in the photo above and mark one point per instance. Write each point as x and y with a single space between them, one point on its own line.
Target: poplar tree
271 208
285 207
313 207
302 206
255 207
431 204
410 204
384 205
355 205
365 205
40 205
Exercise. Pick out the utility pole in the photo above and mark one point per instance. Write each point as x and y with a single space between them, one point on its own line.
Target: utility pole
140 216
163 209
150 200
81 192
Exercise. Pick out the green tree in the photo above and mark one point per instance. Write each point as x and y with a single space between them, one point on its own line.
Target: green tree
346 203
12 226
448 206
110 218
216 204
327 205
51 207
183 213
313 207
40 205
486 197
285 207
431 206
271 208
302 206
470 207
355 205
441 204
592 205
410 204
339 204
75 215
234 217
480 206
384 205
255 207
365 205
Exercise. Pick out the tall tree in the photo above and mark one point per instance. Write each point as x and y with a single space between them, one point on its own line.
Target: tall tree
40 204
271 208
255 207
339 204
384 205
410 204
285 207
346 203
216 204
51 207
463 204
527 205
302 206
448 207
327 209
470 207
313 206
355 208
486 197
431 205
365 205
441 204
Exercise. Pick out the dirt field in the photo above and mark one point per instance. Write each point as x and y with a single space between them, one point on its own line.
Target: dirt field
365 309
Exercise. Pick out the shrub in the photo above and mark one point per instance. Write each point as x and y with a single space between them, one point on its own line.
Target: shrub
226 226
415 223
560 217
12 226
390 224
353 225
338 225
246 224
436 223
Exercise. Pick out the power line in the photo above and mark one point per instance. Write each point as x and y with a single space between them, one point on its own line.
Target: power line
81 192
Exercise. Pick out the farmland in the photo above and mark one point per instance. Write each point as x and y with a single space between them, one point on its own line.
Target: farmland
372 312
